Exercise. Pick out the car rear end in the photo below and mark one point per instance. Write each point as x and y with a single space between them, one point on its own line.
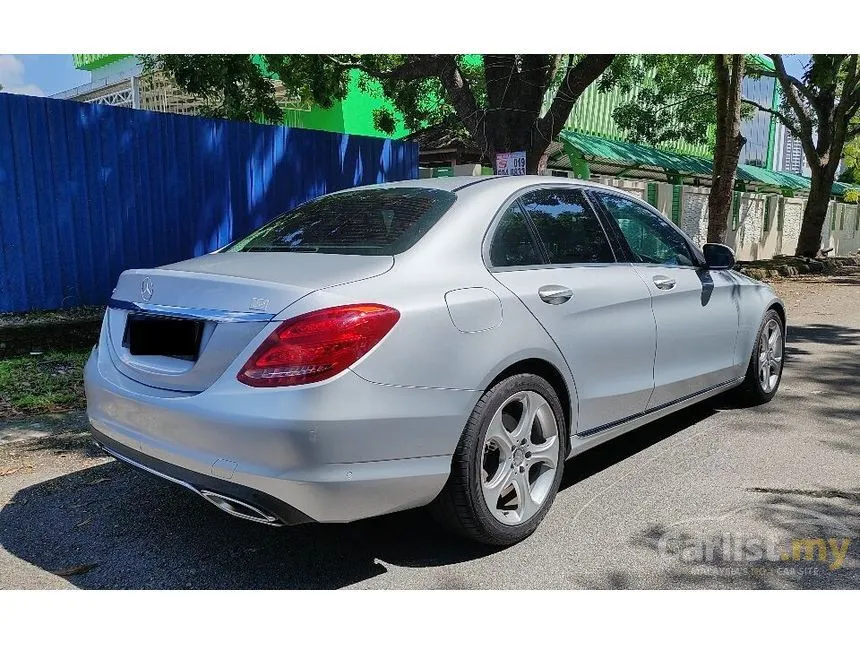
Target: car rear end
232 374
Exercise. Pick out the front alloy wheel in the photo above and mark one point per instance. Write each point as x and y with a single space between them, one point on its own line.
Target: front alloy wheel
770 355
764 372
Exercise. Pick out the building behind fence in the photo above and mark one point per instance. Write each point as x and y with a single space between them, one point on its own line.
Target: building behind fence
87 191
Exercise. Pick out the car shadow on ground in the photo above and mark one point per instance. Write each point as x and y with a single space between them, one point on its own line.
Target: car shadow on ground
139 532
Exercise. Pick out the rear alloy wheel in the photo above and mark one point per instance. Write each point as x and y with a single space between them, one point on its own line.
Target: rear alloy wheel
508 465
520 458
764 372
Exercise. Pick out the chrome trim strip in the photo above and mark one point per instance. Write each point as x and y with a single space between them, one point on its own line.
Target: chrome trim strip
193 313
132 462
608 426
260 515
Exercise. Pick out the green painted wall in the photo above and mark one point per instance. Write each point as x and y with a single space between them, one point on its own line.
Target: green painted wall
89 62
592 114
353 115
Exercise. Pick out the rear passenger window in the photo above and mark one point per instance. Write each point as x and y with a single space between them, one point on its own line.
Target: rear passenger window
567 226
513 243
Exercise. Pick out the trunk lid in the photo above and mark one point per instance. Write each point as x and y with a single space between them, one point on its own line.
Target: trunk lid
218 302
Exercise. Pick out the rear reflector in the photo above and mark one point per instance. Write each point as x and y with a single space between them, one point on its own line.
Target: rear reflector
317 345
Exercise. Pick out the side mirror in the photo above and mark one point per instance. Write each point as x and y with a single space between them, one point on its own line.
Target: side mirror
719 256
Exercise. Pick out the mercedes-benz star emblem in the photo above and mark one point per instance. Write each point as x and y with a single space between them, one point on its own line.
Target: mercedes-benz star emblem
146 289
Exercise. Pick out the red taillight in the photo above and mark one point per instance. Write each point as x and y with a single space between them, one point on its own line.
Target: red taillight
317 345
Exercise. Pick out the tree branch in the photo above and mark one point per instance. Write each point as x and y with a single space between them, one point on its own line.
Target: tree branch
463 100
850 86
805 122
441 66
498 72
575 81
416 67
843 110
693 98
779 115
849 101
796 82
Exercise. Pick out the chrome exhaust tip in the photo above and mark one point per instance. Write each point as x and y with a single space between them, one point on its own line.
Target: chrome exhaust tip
239 508
234 507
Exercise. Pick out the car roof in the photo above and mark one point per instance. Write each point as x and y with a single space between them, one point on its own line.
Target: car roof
499 187
489 182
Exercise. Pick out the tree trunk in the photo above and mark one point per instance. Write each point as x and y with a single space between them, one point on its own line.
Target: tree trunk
722 190
536 161
515 88
729 142
821 185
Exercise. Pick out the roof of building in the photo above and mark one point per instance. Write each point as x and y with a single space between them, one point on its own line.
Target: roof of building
626 157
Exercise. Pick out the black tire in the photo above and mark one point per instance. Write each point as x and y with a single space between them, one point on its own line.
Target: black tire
751 391
461 506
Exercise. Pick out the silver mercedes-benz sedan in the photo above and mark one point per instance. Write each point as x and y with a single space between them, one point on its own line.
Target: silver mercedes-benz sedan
447 342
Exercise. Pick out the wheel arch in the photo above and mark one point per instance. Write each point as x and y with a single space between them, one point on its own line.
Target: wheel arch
779 308
553 375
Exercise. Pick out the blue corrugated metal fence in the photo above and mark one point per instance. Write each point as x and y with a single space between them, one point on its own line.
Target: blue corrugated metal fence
87 191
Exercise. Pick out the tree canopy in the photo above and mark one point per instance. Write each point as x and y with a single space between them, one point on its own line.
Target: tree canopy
503 102
675 100
821 109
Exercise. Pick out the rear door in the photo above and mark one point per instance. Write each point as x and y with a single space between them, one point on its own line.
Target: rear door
550 249
696 309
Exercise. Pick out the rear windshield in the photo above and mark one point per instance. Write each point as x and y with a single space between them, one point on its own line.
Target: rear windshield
377 221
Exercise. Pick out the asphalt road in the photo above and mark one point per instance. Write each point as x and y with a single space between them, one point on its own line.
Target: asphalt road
639 511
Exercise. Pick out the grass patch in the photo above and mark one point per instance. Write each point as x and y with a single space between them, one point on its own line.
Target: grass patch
53 317
49 382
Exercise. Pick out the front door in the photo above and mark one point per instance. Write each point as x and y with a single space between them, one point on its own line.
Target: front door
696 310
551 251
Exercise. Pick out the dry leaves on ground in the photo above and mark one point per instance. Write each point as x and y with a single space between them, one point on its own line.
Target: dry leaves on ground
75 571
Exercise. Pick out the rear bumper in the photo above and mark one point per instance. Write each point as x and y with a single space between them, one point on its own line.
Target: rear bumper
246 502
338 451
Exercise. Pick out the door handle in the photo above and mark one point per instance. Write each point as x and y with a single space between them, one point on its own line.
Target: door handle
555 294
663 282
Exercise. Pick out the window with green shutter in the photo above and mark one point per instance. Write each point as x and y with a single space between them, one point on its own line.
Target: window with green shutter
651 195
676 204
736 209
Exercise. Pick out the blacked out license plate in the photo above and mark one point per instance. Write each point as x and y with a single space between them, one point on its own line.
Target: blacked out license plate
159 336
